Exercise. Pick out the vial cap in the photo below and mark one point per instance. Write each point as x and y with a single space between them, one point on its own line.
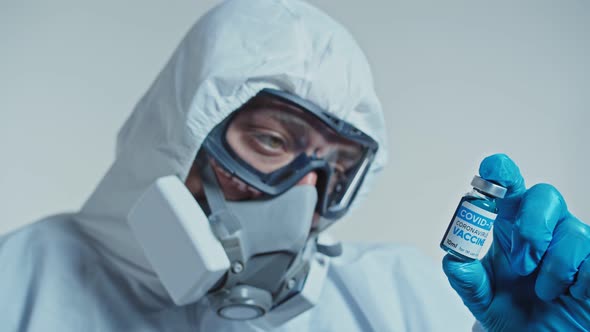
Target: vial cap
488 187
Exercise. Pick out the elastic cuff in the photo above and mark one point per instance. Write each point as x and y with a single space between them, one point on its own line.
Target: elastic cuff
477 327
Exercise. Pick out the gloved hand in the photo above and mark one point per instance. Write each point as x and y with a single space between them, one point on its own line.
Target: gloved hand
536 275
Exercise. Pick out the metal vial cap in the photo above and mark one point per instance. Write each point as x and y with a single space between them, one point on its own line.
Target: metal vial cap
488 187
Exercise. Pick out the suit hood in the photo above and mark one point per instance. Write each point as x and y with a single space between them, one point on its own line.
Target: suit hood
229 55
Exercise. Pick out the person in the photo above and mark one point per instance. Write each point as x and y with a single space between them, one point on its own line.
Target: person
261 131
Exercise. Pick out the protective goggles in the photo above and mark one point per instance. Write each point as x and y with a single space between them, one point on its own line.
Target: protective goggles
277 138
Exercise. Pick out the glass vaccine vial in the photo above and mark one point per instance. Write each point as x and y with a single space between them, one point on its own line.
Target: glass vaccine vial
473 220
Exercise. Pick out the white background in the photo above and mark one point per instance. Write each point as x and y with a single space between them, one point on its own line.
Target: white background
459 80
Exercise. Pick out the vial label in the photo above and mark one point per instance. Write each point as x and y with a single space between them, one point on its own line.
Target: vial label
469 230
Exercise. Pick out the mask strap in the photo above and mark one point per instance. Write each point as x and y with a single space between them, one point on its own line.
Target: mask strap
217 204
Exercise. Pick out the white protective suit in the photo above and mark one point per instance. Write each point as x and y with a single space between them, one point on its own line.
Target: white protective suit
86 272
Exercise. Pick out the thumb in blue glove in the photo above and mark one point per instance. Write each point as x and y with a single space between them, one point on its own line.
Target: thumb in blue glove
493 310
470 281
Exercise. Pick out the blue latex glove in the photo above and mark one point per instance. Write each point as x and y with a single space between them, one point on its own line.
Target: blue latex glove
536 275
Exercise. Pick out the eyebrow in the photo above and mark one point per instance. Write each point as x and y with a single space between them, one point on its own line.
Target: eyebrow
300 127
292 122
300 123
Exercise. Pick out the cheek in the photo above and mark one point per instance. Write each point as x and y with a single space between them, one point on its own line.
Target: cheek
194 184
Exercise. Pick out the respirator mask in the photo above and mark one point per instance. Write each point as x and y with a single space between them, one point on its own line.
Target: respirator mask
256 252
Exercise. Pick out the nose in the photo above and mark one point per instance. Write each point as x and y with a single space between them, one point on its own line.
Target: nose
310 178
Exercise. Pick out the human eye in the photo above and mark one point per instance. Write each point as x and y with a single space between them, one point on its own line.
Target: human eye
270 142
